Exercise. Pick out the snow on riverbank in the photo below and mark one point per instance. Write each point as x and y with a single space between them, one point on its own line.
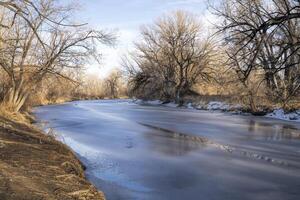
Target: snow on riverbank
280 114
212 106
225 107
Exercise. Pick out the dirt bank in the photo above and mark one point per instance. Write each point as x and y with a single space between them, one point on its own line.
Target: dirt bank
34 166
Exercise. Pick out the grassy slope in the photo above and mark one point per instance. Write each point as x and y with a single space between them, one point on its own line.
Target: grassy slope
35 166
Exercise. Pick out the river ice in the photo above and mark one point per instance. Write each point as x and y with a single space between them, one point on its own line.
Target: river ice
153 152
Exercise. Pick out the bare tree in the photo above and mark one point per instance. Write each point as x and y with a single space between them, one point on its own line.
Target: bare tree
263 38
172 57
112 83
43 43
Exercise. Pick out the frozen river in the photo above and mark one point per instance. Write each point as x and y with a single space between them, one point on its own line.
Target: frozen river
157 153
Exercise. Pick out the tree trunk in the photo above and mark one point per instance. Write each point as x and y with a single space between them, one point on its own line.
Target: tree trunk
15 98
251 98
178 98
253 105
168 91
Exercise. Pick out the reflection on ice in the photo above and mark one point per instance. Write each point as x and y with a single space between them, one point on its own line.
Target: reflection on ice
272 131
172 143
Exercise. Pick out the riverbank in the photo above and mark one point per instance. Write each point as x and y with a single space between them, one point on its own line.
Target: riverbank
275 113
34 166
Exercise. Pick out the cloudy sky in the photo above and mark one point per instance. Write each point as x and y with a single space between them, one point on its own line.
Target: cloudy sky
126 16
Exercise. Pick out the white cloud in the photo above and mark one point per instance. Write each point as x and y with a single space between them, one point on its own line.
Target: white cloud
112 55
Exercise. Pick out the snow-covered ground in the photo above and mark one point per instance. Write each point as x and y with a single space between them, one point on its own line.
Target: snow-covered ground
226 107
280 114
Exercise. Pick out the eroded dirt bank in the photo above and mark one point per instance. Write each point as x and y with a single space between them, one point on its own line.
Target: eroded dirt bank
35 166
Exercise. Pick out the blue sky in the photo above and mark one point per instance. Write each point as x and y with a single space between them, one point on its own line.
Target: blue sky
126 16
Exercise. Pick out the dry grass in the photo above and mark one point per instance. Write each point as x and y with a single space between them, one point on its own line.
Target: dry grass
15 116
35 166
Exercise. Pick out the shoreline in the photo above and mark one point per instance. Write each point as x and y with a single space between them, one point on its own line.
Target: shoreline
34 165
219 106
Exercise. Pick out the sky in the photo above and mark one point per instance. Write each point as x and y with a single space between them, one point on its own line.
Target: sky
126 17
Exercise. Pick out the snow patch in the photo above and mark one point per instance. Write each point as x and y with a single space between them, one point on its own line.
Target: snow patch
217 105
280 114
171 105
154 102
190 106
